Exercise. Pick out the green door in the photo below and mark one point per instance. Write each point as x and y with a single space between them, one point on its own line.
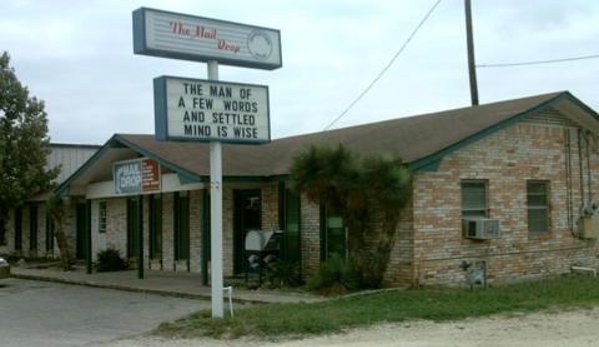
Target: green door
291 240
80 216
247 216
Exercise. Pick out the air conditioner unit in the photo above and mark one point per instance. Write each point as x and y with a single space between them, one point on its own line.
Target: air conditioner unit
480 228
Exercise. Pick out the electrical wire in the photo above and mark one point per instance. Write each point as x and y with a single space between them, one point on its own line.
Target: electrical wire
538 62
403 47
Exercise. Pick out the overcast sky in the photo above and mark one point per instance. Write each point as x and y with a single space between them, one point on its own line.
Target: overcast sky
78 57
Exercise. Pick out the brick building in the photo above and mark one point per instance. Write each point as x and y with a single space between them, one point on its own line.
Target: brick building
508 185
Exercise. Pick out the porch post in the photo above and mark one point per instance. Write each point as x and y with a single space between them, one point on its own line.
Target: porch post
88 238
204 235
140 237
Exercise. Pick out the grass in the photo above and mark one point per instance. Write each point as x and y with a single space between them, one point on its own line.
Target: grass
298 320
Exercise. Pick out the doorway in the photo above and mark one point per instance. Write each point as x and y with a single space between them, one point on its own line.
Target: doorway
247 215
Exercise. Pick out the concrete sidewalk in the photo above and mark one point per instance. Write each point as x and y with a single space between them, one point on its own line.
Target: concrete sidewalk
184 285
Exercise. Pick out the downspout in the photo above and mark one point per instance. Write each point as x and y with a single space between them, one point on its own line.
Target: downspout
581 169
588 153
568 162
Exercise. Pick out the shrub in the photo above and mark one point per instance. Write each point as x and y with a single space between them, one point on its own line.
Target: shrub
110 260
283 274
334 277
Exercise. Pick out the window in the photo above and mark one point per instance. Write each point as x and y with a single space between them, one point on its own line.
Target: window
474 198
102 217
537 203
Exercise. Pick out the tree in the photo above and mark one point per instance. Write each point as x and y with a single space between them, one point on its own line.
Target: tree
24 142
56 209
355 187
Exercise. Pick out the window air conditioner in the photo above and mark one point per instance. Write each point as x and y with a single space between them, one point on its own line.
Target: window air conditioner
480 228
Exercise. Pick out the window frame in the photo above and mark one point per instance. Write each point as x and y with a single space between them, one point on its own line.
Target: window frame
471 213
546 207
102 216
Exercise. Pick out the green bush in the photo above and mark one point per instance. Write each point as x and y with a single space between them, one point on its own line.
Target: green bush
284 274
110 260
334 277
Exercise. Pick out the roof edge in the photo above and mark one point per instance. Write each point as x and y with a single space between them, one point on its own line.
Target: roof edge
430 163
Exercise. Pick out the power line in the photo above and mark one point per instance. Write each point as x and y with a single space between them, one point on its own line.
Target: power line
538 62
386 67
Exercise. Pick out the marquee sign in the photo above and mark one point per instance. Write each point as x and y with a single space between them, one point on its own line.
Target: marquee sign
203 110
181 36
137 176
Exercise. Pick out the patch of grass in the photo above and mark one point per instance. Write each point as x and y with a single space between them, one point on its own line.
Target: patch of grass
333 316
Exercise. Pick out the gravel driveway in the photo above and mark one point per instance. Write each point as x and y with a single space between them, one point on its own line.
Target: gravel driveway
546 329
34 314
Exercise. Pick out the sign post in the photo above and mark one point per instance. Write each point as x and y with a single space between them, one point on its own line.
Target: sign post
209 111
216 215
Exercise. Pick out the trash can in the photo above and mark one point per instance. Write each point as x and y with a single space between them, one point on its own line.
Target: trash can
4 268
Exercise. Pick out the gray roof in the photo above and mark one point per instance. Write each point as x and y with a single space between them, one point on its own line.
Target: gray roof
421 141
412 138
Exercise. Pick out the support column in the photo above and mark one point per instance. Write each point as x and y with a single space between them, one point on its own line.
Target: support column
140 236
88 237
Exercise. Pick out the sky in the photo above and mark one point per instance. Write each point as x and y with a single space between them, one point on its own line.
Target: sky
78 57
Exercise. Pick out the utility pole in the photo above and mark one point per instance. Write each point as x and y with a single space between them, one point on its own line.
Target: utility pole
471 63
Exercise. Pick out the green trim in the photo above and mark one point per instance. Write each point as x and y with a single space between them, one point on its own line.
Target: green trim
432 161
140 236
186 179
88 237
433 166
581 104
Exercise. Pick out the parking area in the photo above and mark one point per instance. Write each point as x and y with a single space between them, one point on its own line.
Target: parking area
34 313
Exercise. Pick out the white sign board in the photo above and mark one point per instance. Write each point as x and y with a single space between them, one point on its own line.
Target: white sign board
181 36
202 110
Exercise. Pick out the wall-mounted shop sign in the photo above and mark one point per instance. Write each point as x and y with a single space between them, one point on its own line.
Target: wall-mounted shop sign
181 36
202 110
137 176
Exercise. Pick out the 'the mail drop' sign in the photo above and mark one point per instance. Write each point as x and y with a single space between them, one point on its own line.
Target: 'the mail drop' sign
181 36
137 176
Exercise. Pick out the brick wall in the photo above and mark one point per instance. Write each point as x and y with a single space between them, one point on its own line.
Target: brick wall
310 236
506 159
116 224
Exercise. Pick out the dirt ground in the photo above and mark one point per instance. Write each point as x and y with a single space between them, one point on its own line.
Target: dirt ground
576 328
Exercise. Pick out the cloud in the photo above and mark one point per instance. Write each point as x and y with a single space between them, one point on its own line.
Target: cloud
78 57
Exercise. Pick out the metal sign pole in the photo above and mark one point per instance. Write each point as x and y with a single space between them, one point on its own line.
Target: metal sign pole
216 215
